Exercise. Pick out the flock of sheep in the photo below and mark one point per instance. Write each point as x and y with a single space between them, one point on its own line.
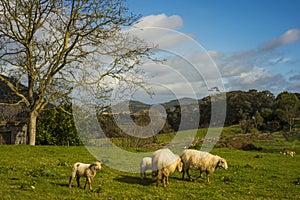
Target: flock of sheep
162 163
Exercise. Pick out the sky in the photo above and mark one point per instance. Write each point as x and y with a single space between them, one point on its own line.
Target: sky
232 45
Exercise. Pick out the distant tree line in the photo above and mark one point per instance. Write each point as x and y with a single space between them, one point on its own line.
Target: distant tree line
262 111
254 111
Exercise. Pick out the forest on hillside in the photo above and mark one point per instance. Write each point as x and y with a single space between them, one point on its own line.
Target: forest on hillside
254 111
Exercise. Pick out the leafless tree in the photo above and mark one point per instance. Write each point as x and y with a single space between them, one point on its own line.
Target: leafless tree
54 46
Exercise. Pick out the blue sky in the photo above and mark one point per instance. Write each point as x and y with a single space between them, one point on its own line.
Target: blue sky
227 25
255 44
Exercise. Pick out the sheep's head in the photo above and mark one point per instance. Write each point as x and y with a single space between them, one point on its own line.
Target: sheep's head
96 165
222 163
179 165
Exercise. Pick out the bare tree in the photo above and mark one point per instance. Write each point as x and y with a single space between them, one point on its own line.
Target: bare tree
54 46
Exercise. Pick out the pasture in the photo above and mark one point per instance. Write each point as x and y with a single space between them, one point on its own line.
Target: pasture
42 172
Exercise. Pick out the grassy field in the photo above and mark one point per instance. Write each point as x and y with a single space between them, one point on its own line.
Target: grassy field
42 172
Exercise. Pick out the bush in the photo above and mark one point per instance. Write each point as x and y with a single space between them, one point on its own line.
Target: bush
55 127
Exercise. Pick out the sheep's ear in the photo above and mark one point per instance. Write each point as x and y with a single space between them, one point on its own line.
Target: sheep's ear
221 161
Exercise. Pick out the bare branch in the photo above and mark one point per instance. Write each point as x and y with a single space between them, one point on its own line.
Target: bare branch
54 46
15 90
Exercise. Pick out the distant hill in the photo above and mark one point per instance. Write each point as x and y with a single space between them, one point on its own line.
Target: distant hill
183 102
136 106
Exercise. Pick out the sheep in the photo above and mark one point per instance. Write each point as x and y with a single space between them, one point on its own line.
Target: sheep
288 152
200 160
84 170
165 162
145 164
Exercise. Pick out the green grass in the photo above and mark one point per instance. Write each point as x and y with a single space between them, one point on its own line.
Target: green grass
42 172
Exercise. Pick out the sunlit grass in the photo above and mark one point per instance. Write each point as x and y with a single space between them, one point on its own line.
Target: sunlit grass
42 172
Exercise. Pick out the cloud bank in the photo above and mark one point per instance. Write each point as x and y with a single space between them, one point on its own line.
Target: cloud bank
187 69
241 70
288 37
253 68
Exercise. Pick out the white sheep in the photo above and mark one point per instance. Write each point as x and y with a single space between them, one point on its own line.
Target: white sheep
200 160
145 164
84 170
165 162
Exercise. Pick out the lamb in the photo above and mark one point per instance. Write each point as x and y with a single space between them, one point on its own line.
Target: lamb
84 170
145 164
165 162
200 160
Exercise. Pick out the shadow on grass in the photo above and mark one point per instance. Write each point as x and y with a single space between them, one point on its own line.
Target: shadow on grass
134 180
66 185
63 184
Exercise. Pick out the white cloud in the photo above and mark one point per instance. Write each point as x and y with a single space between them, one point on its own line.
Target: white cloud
254 75
288 37
162 21
190 66
160 30
188 69
253 68
278 60
257 78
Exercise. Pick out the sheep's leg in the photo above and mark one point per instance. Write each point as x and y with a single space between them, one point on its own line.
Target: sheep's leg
183 172
78 181
88 181
166 177
70 181
154 174
200 175
207 177
158 177
187 172
167 180
164 180
142 175
85 183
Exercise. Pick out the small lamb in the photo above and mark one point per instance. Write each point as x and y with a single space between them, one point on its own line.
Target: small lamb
84 170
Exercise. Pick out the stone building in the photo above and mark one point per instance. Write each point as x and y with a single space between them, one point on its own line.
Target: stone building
13 133
14 116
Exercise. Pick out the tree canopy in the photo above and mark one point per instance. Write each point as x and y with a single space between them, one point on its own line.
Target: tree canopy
54 46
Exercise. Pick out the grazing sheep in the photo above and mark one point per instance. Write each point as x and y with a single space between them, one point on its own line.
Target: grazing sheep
203 161
164 162
288 152
145 164
84 170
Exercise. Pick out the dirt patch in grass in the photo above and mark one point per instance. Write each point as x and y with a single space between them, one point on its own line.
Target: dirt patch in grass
240 141
245 141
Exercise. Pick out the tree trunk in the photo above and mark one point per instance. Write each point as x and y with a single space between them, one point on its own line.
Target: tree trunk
291 124
32 127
